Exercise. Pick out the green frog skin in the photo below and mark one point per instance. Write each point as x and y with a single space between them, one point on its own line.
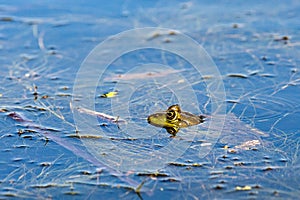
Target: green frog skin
173 119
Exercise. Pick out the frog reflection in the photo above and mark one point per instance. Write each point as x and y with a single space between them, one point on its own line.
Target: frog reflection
173 119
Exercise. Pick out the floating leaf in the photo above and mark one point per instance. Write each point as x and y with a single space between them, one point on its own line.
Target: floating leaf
237 75
239 188
109 94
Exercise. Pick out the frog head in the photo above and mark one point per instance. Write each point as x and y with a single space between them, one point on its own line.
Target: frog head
173 119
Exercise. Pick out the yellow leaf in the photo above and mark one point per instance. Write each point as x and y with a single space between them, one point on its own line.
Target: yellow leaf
239 188
109 94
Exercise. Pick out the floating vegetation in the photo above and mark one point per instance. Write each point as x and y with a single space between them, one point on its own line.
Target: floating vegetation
102 115
6 19
243 188
256 156
109 94
237 75
141 76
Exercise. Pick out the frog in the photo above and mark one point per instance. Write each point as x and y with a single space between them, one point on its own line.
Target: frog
173 119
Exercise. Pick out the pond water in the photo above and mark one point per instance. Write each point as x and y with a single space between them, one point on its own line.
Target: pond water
255 155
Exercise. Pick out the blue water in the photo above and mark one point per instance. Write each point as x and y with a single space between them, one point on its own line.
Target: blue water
255 46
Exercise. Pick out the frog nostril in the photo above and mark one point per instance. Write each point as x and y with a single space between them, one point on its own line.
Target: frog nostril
202 118
149 119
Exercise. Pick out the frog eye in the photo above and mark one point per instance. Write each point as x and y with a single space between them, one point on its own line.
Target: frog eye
172 130
172 115
175 107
